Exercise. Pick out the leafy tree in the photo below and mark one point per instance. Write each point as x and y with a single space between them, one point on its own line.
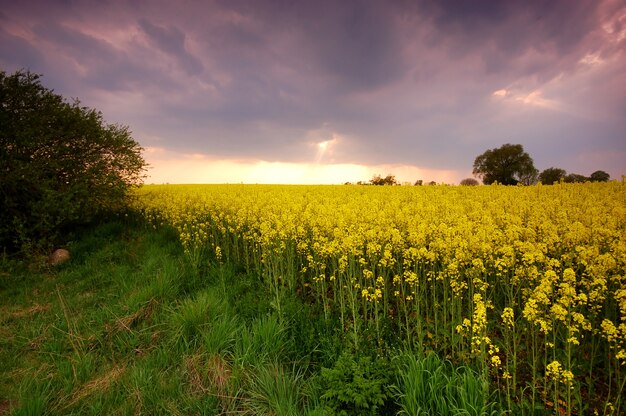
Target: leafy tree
388 180
469 182
60 164
574 178
551 176
508 165
599 176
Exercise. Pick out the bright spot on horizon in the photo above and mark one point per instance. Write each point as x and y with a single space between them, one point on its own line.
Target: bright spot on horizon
172 167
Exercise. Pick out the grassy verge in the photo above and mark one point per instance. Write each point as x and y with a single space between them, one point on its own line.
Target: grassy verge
129 327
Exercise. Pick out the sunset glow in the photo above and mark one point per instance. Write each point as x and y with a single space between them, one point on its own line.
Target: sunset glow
194 168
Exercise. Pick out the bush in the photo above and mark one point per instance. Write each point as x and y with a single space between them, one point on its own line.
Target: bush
60 164
356 386
469 182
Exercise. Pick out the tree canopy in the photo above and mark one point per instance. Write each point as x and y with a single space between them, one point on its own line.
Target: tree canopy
60 163
508 165
379 180
599 176
551 176
575 178
555 175
469 182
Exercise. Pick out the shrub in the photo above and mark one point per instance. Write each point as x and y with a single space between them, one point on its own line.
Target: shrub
356 386
469 182
60 164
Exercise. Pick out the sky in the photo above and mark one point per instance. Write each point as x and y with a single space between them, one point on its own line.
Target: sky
327 91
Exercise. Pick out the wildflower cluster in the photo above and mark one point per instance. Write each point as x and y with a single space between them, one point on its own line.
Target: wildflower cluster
555 371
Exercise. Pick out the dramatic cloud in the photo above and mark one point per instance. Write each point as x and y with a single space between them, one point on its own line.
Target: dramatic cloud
327 88
172 41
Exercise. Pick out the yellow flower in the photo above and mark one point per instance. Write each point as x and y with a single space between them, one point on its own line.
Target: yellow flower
553 370
567 376
451 253
559 312
495 361
508 317
573 341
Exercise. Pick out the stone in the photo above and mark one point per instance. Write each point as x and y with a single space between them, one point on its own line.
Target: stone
59 256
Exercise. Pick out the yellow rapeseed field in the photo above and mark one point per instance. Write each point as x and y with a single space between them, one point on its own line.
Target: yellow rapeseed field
527 283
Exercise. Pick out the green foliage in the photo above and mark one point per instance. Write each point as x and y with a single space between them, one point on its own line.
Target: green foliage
60 164
221 335
356 385
244 292
317 339
34 397
507 165
599 176
551 176
193 315
431 386
387 180
275 391
575 178
263 341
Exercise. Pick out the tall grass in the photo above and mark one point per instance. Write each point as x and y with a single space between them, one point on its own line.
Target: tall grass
129 327
432 386
275 391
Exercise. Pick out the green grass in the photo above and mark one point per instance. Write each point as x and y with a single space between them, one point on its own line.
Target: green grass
276 391
432 386
129 326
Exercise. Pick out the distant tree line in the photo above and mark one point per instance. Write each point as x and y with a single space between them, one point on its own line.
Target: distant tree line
511 165
508 164
556 175
390 180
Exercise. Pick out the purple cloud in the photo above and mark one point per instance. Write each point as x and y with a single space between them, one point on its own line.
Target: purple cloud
172 41
427 83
